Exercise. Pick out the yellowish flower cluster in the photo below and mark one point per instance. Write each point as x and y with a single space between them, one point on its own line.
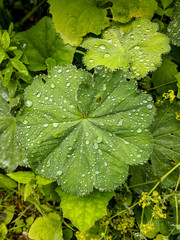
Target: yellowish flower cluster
145 228
178 116
158 202
170 96
124 223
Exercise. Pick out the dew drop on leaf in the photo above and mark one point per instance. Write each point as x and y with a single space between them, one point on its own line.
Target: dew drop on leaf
28 103
52 85
55 125
46 125
139 130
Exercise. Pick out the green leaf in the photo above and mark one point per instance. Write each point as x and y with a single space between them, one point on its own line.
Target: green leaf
41 42
78 18
168 12
5 40
9 213
11 153
136 46
19 66
43 181
85 129
6 182
28 188
166 135
123 11
47 227
177 76
3 230
166 3
83 212
22 176
141 177
164 75
173 28
2 55
7 72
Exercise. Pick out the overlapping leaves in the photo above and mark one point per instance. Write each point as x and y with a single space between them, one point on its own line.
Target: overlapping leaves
123 11
10 149
136 46
85 129
74 19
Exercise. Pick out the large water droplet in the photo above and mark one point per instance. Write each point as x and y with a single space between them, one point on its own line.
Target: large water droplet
28 103
99 139
46 125
103 47
52 85
149 106
55 125
139 130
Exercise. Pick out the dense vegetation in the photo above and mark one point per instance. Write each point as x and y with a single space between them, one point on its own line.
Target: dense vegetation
89 119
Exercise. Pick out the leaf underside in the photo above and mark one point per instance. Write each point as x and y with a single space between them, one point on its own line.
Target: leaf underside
77 19
85 129
136 46
84 211
166 135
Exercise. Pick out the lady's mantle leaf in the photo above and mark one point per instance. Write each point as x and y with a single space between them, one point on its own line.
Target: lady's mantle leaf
123 11
10 148
47 227
165 74
166 134
41 42
74 19
83 212
173 28
136 46
85 129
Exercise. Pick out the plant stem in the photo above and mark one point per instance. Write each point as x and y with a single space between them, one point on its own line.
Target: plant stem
161 85
32 12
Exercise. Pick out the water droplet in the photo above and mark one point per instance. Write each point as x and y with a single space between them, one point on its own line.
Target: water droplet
95 146
52 85
104 87
106 55
87 142
86 134
97 172
149 106
55 125
139 130
59 173
139 156
46 125
105 164
68 84
38 95
91 60
99 139
136 47
103 47
100 152
25 122
28 103
46 98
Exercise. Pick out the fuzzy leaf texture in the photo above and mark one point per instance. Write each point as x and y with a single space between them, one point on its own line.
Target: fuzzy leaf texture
136 46
123 11
41 42
11 153
173 28
74 19
47 227
166 135
85 129
84 211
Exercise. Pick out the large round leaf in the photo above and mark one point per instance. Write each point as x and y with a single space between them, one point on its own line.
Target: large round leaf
85 129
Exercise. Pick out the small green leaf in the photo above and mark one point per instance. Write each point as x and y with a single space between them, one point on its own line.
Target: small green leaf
173 28
6 182
5 40
7 72
22 176
166 135
41 42
165 74
77 19
43 181
83 212
123 11
136 46
9 213
47 227
166 3
177 76
85 129
169 12
28 188
19 66
3 230
2 55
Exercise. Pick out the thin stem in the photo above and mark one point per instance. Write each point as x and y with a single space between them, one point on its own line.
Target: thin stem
162 85
176 202
32 12
163 177
81 52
